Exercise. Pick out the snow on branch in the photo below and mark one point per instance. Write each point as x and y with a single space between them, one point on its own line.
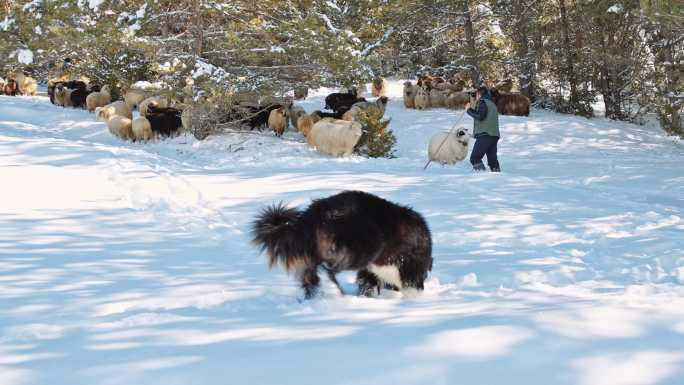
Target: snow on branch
370 48
328 23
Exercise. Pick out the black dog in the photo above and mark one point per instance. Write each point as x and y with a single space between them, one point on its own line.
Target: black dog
339 100
387 244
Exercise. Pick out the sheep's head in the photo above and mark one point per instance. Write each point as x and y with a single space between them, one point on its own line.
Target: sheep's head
382 102
408 84
463 136
104 113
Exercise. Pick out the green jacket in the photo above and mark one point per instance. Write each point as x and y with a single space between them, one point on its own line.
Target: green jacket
485 118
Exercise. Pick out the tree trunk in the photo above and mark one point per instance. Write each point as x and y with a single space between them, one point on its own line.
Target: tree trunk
526 66
671 81
473 58
198 27
569 51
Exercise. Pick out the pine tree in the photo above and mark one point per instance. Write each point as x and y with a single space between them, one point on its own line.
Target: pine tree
377 140
663 28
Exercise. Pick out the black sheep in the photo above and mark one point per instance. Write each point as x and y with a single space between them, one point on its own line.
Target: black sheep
76 85
78 97
258 116
335 115
385 243
339 100
164 121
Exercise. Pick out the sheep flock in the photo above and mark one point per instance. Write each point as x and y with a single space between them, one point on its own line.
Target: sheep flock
334 130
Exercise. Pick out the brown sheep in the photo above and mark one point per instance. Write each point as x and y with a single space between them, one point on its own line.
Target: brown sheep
409 95
305 123
378 87
425 80
457 100
277 120
437 98
511 104
10 88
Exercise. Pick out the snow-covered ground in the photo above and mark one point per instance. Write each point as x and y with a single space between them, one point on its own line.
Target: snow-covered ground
127 264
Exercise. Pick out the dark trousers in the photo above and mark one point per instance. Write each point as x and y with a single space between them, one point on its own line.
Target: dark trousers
485 145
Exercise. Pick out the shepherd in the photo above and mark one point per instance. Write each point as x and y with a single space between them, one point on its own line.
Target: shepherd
485 130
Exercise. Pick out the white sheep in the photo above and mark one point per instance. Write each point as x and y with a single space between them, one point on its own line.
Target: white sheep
422 100
116 108
142 129
98 99
121 127
133 97
157 101
409 95
334 137
448 147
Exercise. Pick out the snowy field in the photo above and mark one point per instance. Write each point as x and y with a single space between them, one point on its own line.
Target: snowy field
130 264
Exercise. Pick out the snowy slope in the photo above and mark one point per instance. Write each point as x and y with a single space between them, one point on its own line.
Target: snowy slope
126 263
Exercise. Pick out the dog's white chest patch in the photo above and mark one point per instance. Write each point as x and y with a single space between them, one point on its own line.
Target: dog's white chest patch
387 274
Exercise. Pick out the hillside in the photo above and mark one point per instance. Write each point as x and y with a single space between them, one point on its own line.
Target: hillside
125 263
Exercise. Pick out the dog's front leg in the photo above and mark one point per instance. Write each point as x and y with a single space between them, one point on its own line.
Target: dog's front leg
310 282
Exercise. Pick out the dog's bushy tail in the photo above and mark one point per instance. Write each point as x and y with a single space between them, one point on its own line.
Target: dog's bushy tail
275 230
